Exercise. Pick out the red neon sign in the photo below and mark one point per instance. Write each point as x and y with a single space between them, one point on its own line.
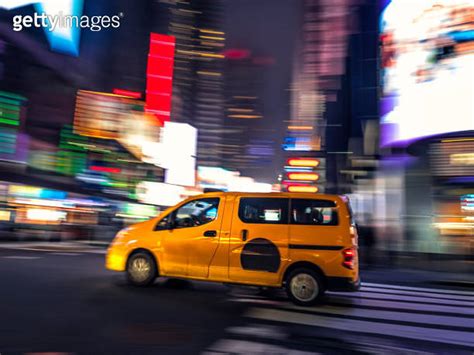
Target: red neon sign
159 84
128 93
105 169
237 53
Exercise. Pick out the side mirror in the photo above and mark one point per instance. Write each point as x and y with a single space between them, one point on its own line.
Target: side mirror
165 224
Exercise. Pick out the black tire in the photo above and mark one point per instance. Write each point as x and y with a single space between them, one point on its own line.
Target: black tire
141 269
305 287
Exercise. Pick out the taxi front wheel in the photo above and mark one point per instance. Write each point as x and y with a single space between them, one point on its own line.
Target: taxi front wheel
141 269
304 287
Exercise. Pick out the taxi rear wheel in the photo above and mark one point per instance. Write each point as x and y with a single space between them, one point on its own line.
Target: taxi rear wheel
304 287
141 269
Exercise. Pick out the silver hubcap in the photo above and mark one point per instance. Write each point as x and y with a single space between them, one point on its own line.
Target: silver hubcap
140 269
304 287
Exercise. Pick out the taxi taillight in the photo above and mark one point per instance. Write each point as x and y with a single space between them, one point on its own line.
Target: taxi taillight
349 257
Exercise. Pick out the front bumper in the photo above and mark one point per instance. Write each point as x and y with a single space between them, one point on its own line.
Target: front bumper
343 284
115 260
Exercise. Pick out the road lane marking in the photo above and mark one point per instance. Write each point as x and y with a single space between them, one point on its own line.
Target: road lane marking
403 298
20 257
431 315
355 302
101 252
234 346
422 289
417 293
258 330
264 301
364 304
452 337
66 254
388 315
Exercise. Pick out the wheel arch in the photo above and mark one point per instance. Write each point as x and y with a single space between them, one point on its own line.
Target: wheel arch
303 265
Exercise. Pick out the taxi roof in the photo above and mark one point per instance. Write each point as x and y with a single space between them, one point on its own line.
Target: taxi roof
272 194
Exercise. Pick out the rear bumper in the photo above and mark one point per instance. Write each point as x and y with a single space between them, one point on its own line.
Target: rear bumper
343 284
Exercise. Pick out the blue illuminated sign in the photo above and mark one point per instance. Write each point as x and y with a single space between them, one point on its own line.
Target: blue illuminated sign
296 144
57 18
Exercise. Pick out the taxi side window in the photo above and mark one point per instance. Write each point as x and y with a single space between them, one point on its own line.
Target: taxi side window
264 210
314 212
196 213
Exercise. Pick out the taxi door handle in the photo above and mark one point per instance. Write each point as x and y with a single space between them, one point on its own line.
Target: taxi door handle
244 234
210 234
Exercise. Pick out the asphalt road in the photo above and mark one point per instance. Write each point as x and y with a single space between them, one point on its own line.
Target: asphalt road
66 302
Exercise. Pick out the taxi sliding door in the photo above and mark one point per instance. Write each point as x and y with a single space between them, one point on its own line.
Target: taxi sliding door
259 240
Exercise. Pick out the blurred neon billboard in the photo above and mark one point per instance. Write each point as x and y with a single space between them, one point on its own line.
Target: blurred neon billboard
35 192
427 69
63 39
467 203
107 116
13 143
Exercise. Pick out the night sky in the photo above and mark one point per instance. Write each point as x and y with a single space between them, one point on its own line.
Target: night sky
269 28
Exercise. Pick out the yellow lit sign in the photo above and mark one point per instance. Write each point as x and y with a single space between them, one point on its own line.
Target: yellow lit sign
303 176
304 162
300 188
24 190
5 215
462 159
300 128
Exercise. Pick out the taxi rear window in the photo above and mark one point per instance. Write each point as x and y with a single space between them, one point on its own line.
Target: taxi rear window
314 212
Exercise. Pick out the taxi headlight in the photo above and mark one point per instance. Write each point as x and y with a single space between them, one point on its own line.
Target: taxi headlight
119 236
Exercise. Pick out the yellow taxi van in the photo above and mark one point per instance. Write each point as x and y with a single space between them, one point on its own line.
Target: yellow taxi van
306 243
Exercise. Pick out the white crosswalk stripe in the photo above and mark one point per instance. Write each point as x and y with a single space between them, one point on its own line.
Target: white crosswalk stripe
427 300
232 346
387 315
437 316
411 332
366 285
427 307
452 296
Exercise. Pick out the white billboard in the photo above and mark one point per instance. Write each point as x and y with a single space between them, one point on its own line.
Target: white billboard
176 153
160 194
427 69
